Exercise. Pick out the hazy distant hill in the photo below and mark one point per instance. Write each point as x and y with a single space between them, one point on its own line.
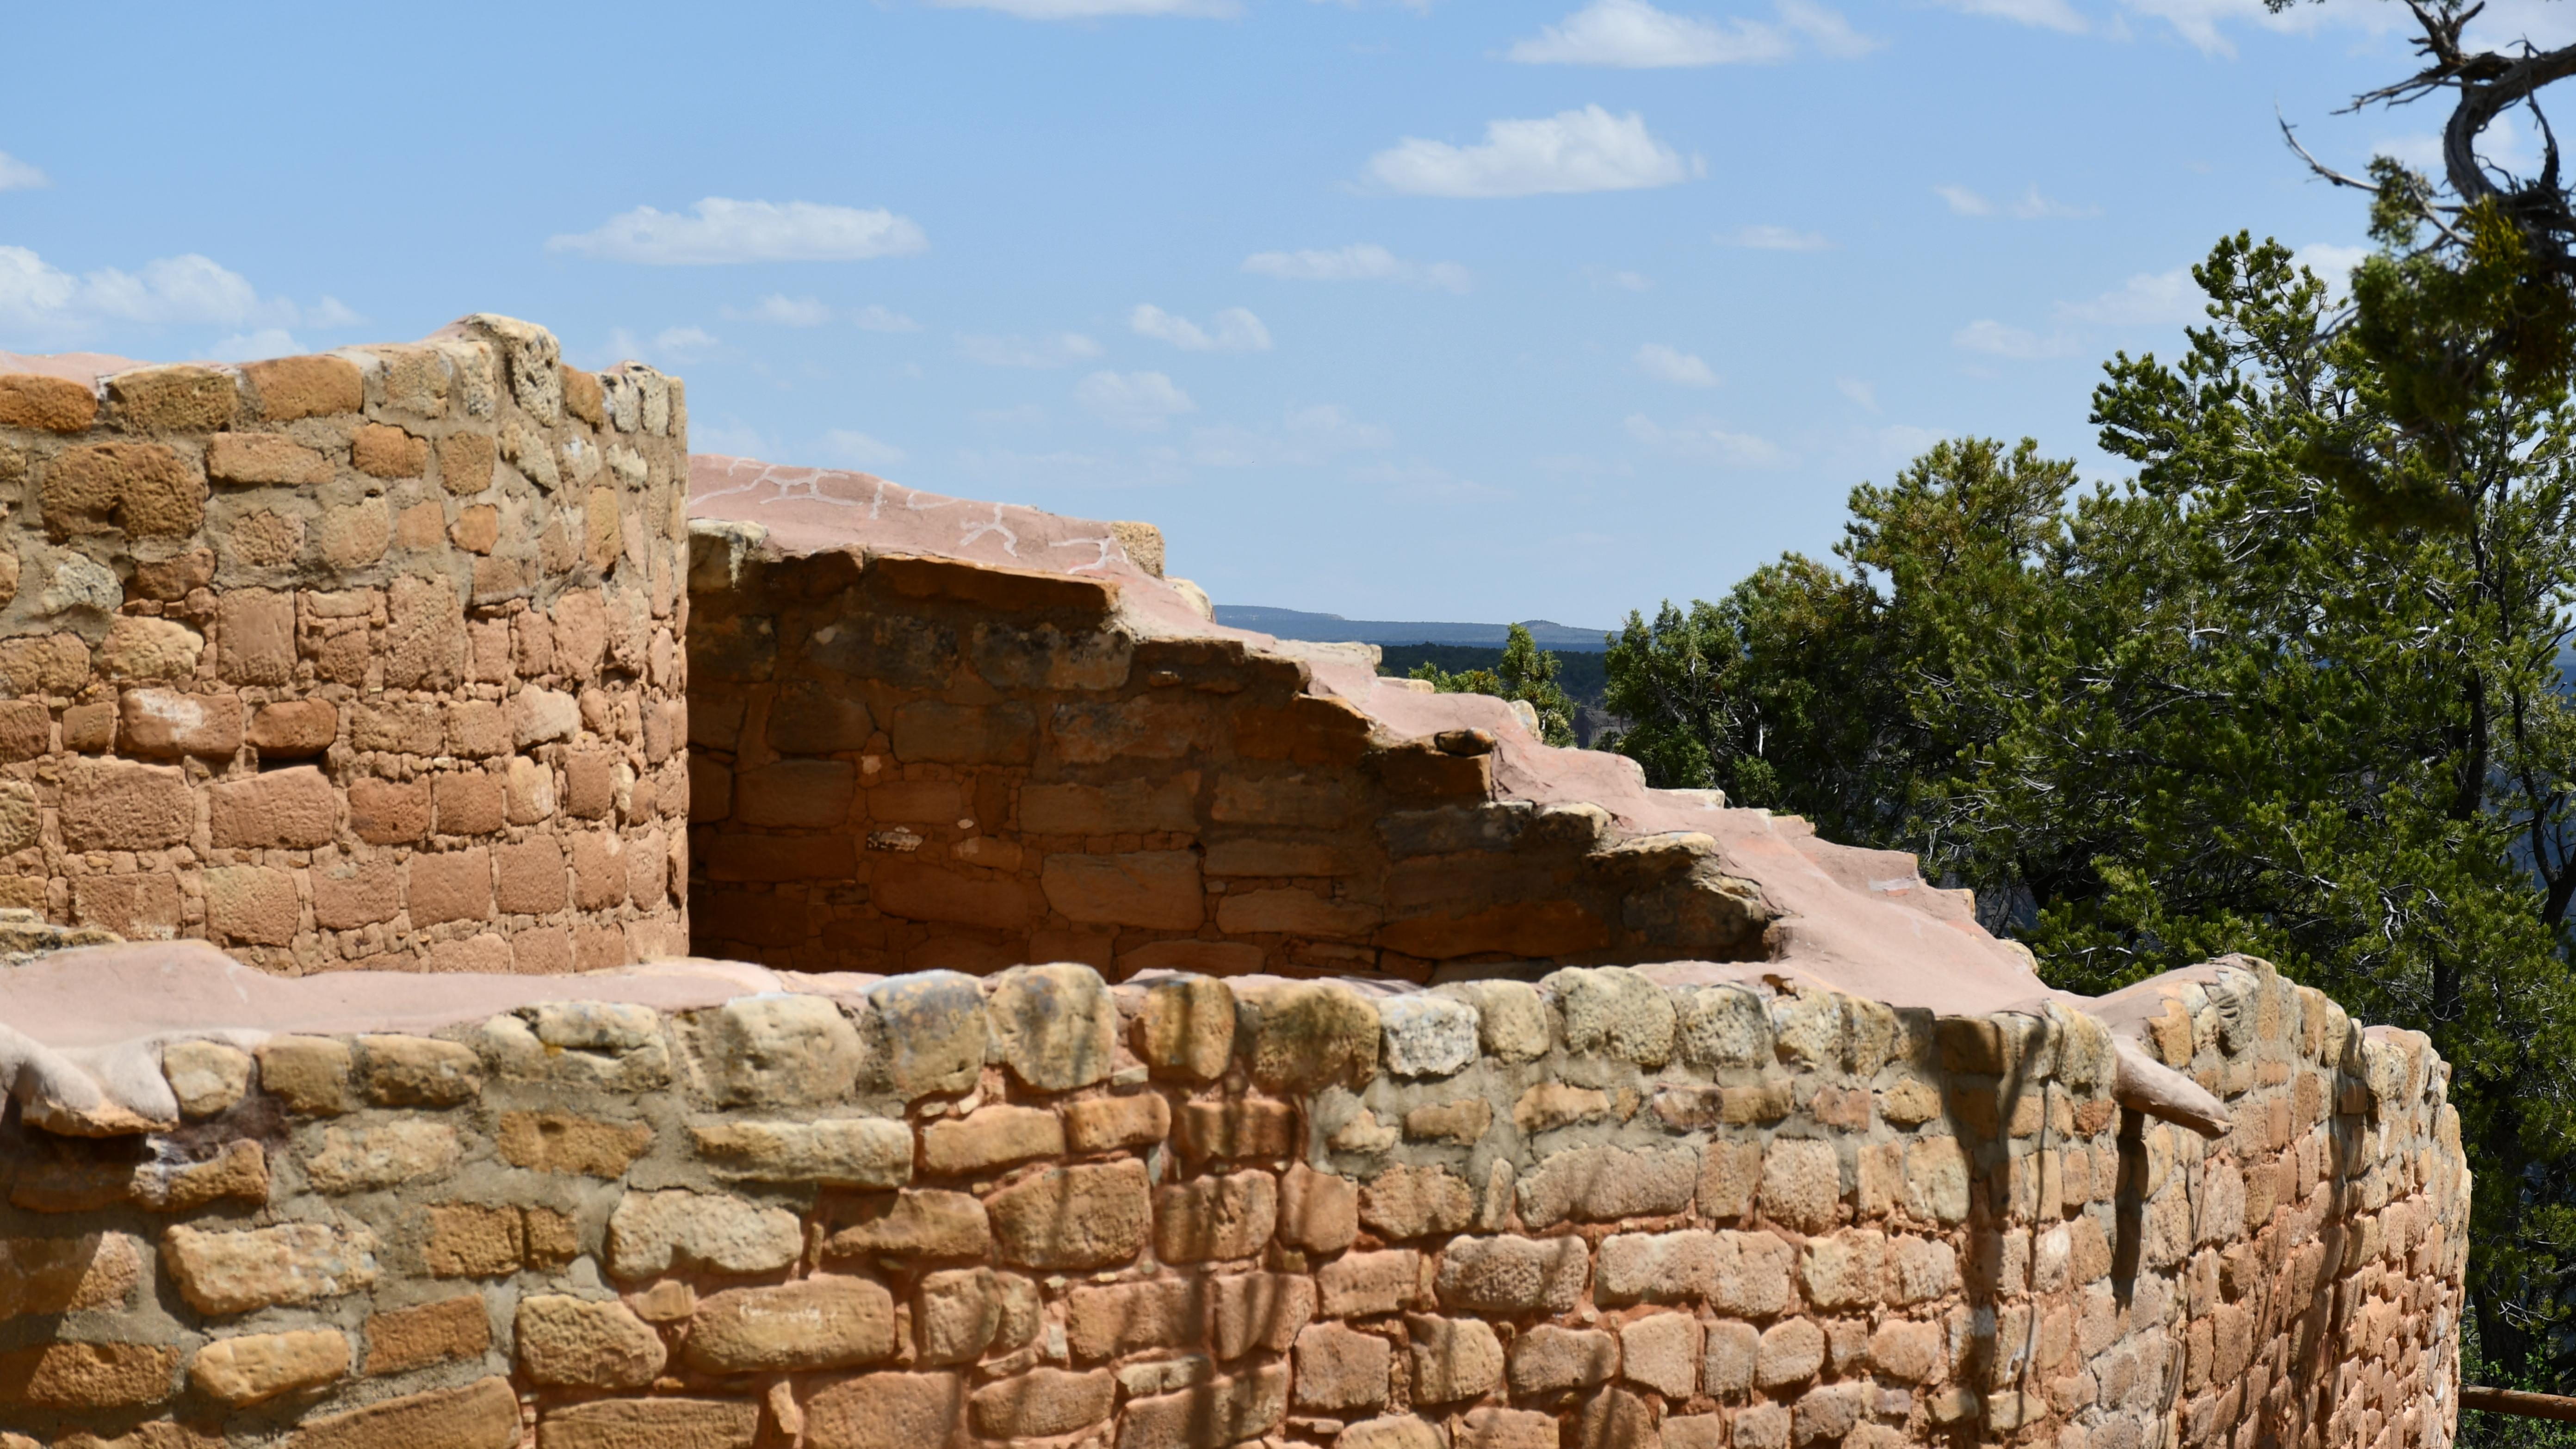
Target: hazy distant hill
1334 629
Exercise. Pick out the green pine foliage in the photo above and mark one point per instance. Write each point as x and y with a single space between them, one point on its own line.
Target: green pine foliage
2251 699
1525 673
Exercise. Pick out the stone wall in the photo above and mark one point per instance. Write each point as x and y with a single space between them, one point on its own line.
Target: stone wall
903 762
369 659
1614 1210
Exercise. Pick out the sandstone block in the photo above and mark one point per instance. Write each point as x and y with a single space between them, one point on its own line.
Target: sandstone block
1390 1431
1427 1036
112 805
352 893
248 903
1222 1411
166 723
1057 1026
470 1240
1307 1035
49 404
382 1154
1909 1352
1237 1128
959 734
964 1313
264 458
1462 1122
1726 1366
914 1223
1937 1178
64 1275
1363 1285
466 802
1318 1211
774 1051
1614 1011
293 809
1792 1351
222 1272
1215 1217
651 1231
1118 1319
1661 1351
657 1423
1042 1403
563 1142
75 1375
533 876
1513 1275
261 1366
207 1077
1454 1359
1615 1419
310 1074
1412 1202
1074 1217
811 794
1550 1105
305 387
482 1415
1294 911
410 1338
840 1151
990 1137
176 399
416 1071
581 1344
1548 1359
1603 1184
918 892
1843 1271
465 464
1186 1028
386 812
1156 890
454 885
381 450
1104 1124
541 715
826 1322
887 1411
1340 1369
927 1032
1802 1184
143 488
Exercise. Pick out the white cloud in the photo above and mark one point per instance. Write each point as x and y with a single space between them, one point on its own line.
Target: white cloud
1571 151
1419 481
17 175
1099 9
1669 364
1995 339
2149 299
254 346
1775 239
683 344
1362 262
2330 262
1635 35
1306 436
41 303
722 232
1062 350
2046 14
2029 206
874 318
1143 401
786 311
847 445
1236 330
1701 441
1624 281
1858 391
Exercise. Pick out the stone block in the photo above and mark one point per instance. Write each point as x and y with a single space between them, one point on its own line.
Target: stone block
1056 1026
839 1151
1547 1106
1338 1368
1307 1035
916 891
565 1142
1604 1184
1548 1359
172 399
1802 1184
1105 1124
650 1232
1514 1275
65 1275
1614 1011
1906 1351
48 404
1792 1351
1042 1403
1937 1178
388 812
807 794
1614 1419
964 1313
465 802
774 1051
1223 1411
990 1137
113 805
293 809
887 1411
1318 1211
1844 1271
1294 911
310 1074
1454 1359
1462 1122
294 729
208 1077
1186 1028
1411 1202
1215 1218
382 1154
815 1323
913 1223
927 1033
1152 889
960 734
453 885
78 1375
1138 807
481 1415
1085 1216
1390 1431
1490 1427
473 1240
1364 1285
1237 1128
465 463
260 1366
534 880
410 1338
577 1343
352 893
26 729
1661 1351
225 1272
656 1423
1114 1320
165 723
1427 1036
144 489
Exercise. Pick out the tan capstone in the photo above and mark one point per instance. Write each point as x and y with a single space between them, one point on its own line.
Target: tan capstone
257 1367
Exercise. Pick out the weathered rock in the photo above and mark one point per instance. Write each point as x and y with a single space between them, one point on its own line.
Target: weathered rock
927 1033
1308 1035
1088 1216
1427 1036
223 1272
1056 1026
582 1344
651 1232
840 1151
1186 1028
775 1051
261 1366
817 1323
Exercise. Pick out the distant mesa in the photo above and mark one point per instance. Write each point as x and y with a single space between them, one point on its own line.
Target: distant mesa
1334 629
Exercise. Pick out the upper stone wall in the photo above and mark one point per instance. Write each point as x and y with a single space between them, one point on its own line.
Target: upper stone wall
365 659
934 733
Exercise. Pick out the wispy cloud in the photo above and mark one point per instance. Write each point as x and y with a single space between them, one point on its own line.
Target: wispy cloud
2149 299
2046 14
1363 262
17 175
1863 393
1995 339
783 311
257 346
670 345
1634 35
1701 441
1671 364
2031 205
1061 350
1100 9
1619 280
45 304
1571 151
1774 239
1233 330
1140 401
873 318
1305 436
721 232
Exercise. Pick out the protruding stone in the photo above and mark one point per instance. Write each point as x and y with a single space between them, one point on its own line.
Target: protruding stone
414 1071
1511 1017
1057 1026
816 1323
651 1231
1614 1011
208 1077
224 1272
775 1051
1186 1029
928 1033
1427 1036
839 1152
1308 1035
260 1366
310 1074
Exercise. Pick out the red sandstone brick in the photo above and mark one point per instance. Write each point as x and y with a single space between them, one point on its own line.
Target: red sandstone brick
1157 889
814 794
918 891
255 637
137 907
411 1338
165 722
348 894
295 728
477 727
580 633
292 808
251 904
546 951
305 387
52 404
112 805
487 954
388 812
26 729
590 783
599 948
598 870
785 858
466 802
647 871
451 886
533 877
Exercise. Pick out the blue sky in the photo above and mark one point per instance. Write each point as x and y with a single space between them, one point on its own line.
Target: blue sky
1511 309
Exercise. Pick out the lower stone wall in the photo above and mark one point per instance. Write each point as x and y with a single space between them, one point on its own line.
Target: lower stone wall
1615 1209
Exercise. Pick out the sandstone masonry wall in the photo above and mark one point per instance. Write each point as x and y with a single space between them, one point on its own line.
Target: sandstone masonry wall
369 659
1615 1210
903 763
